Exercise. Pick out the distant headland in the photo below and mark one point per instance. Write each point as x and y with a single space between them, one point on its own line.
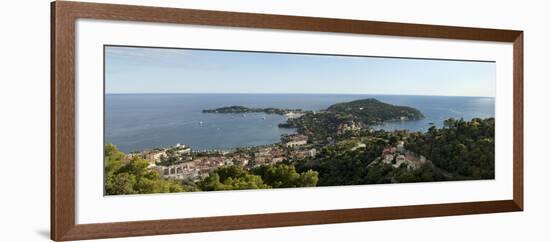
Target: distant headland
243 109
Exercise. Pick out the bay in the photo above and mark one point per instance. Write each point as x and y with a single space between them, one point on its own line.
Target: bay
134 122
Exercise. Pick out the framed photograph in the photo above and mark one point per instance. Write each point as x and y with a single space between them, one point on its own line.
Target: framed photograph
172 120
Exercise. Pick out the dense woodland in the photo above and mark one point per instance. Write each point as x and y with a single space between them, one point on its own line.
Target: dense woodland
461 150
339 165
270 176
465 148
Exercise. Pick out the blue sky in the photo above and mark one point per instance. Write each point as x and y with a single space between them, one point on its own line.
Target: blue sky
155 70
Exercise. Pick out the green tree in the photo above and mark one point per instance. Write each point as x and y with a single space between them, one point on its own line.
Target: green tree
133 176
122 183
231 178
282 175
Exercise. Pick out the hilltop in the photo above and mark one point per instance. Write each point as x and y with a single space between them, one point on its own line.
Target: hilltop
371 111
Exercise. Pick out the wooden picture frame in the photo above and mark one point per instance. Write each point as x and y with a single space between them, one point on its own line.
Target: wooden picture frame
63 17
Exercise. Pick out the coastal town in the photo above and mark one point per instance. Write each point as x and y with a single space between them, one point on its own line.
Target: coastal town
181 163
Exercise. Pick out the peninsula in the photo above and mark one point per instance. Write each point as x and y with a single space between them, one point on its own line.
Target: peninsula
243 109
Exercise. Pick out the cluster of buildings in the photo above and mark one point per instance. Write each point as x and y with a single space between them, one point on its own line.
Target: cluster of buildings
275 154
194 170
268 155
296 140
350 126
398 155
196 166
293 114
178 152
303 153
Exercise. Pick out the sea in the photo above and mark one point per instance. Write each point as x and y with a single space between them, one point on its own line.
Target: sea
136 122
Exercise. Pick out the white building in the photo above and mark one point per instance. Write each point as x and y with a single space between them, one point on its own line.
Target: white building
358 146
312 152
400 159
297 140
388 158
154 156
400 146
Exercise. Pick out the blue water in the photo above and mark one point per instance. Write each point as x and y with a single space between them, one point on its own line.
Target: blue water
136 122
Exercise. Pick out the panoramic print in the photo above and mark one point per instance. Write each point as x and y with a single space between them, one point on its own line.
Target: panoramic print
192 120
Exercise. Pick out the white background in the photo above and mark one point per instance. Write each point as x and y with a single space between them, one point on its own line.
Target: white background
24 123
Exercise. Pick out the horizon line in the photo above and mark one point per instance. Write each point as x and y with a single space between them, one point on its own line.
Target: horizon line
291 93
